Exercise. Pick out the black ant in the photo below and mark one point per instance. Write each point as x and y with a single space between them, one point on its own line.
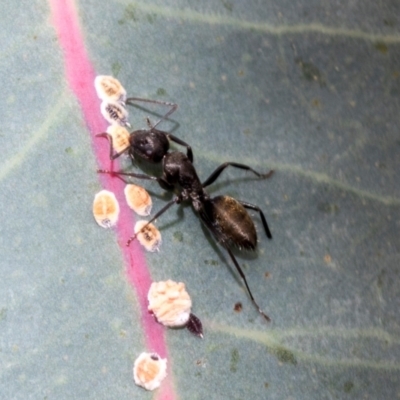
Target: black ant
224 216
149 144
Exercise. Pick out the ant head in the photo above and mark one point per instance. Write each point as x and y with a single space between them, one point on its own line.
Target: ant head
149 144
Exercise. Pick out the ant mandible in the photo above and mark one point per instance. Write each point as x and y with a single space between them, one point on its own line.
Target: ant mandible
224 216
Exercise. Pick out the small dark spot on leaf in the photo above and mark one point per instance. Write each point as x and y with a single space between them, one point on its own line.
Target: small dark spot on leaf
379 280
395 90
115 68
309 70
161 92
178 236
284 355
211 262
266 385
129 15
3 313
390 22
247 131
348 386
381 47
69 150
151 18
380 165
316 103
328 208
267 275
241 72
228 5
234 360
238 307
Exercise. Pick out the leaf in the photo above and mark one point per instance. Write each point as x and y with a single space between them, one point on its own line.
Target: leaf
311 91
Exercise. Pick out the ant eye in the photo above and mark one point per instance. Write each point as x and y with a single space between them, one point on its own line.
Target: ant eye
114 113
120 137
149 370
138 199
148 235
109 89
170 303
105 209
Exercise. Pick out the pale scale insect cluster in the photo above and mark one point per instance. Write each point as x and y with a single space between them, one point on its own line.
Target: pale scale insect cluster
148 235
170 303
105 209
149 370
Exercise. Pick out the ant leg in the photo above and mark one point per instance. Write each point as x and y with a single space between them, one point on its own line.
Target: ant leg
119 174
213 177
176 200
173 106
247 286
189 152
162 182
113 155
263 219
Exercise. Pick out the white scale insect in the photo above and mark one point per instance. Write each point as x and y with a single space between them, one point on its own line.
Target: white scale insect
113 96
170 303
105 209
149 370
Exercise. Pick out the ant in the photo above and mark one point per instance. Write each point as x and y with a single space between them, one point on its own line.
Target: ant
224 216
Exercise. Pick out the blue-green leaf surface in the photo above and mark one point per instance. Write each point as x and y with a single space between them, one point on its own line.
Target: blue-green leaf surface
308 89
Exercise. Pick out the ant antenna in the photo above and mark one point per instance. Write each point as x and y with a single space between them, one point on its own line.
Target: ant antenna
173 106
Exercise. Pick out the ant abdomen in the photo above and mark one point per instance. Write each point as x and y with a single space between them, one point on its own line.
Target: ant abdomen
229 222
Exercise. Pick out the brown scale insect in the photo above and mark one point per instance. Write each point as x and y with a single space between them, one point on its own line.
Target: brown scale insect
148 235
105 209
138 199
149 370
110 89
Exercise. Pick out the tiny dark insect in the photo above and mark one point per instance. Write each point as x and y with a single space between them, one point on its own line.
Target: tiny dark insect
224 216
195 326
238 307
